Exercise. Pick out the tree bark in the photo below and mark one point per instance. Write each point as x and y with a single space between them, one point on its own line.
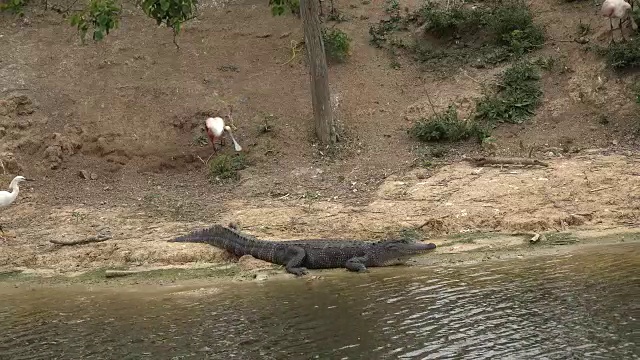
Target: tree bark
319 74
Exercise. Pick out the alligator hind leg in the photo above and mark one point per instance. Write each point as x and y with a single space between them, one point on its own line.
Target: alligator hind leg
356 264
295 256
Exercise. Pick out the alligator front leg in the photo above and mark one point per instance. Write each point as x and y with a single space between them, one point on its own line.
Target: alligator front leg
356 264
295 256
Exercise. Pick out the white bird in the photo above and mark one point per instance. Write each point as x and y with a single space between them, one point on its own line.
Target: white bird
618 9
216 128
8 197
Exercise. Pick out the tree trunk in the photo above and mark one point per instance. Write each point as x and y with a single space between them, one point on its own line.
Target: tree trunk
320 96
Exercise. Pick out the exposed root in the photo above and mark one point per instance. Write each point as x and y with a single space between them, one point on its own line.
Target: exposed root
484 161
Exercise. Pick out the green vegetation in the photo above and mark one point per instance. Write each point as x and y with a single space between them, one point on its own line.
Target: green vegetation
445 126
336 44
622 55
13 6
518 96
225 167
278 7
101 15
491 32
172 13
514 100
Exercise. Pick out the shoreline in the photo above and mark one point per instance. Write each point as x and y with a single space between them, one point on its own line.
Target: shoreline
455 250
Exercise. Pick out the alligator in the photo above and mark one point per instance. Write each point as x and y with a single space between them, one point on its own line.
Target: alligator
299 255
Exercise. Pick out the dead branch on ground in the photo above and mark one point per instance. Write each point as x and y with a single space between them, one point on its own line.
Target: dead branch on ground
488 161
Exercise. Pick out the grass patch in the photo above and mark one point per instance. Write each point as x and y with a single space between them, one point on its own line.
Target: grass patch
518 96
488 32
13 6
337 44
445 126
622 55
226 167
514 100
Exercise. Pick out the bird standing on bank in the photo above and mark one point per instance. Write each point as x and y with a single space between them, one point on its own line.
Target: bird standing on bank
619 9
8 197
215 130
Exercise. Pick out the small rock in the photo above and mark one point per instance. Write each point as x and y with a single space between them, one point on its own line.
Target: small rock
263 36
535 238
3 131
261 277
94 176
84 174
582 40
614 142
286 34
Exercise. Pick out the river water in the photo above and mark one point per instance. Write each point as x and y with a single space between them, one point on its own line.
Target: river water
583 305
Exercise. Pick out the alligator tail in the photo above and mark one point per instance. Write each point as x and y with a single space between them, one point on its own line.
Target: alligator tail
208 235
222 237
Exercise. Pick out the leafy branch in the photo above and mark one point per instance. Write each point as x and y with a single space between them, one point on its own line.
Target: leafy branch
101 15
173 13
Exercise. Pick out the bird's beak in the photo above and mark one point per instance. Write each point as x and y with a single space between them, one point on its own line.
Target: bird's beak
30 179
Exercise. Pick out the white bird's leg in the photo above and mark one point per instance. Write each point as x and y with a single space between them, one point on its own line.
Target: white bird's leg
611 30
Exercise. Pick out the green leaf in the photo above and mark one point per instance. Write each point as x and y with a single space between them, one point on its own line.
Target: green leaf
98 35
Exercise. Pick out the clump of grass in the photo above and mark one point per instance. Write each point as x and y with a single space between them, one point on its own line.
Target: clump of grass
518 96
444 126
13 6
395 22
225 167
493 32
583 29
337 44
512 25
450 21
622 55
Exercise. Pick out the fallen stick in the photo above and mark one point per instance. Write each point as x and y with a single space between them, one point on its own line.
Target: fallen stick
90 239
483 161
119 273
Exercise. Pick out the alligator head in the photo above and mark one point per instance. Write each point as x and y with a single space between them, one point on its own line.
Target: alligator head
398 251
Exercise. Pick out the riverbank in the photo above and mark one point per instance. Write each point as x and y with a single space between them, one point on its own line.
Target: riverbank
464 249
470 212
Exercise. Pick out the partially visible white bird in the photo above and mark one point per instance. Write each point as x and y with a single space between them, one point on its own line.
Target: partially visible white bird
216 128
8 197
619 9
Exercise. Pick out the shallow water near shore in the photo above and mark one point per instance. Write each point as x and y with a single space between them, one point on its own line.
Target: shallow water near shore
582 304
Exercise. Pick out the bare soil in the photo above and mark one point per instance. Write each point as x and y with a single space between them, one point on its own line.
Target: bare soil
129 110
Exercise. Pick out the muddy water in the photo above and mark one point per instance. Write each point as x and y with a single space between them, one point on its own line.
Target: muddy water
584 305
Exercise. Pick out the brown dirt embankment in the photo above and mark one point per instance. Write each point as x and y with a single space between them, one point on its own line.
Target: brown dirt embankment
477 212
